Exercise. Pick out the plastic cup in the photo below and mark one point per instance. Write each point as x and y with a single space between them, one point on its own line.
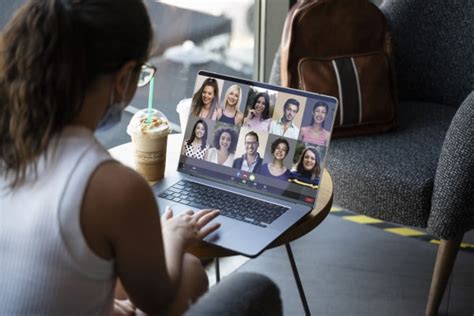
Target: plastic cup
183 108
149 143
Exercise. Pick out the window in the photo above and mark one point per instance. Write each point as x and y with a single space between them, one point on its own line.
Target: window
213 35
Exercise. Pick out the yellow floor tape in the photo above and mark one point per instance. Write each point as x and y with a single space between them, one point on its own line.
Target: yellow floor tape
362 219
405 231
392 228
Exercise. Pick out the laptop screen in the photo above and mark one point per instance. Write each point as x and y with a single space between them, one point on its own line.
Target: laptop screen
256 136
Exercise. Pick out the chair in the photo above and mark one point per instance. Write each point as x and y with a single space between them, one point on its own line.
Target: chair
421 174
241 293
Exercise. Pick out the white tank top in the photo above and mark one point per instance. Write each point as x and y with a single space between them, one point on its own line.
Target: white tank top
46 267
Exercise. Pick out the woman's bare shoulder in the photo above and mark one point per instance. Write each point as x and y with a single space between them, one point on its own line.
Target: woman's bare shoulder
116 197
305 129
113 177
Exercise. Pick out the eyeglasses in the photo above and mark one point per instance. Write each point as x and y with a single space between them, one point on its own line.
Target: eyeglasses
146 74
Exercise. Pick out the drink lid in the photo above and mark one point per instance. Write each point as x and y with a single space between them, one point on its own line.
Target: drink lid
158 126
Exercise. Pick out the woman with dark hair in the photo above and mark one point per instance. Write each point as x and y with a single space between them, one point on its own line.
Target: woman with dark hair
205 100
230 113
258 116
196 146
225 143
74 221
308 169
276 168
316 133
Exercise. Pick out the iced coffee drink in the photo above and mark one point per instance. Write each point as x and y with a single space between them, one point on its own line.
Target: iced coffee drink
149 137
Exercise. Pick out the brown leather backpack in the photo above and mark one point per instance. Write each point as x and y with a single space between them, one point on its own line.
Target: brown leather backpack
342 48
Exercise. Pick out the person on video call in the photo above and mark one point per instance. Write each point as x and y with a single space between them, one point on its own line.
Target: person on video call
225 142
251 160
308 169
196 146
258 116
316 133
285 126
75 222
230 113
205 101
276 168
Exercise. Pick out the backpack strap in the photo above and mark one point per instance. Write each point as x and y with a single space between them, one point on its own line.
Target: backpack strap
287 36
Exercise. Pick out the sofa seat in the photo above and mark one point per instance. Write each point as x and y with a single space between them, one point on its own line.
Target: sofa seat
366 180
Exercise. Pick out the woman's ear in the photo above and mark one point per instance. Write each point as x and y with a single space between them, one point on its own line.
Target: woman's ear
125 78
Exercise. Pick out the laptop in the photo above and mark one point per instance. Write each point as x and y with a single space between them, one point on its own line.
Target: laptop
254 151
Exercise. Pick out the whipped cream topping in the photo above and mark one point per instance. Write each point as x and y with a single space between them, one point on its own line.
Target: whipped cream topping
158 126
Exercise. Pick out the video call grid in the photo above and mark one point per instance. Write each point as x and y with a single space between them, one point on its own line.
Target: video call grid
267 136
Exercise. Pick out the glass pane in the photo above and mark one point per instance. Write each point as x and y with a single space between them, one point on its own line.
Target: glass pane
211 35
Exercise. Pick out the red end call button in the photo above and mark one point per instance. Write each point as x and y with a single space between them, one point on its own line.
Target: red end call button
309 199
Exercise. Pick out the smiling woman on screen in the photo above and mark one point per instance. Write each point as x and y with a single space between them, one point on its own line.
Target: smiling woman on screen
205 101
230 113
258 116
315 133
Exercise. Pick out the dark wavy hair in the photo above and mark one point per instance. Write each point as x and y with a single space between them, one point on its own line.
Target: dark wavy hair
317 166
52 52
193 134
291 101
279 141
251 133
317 105
197 103
233 137
266 112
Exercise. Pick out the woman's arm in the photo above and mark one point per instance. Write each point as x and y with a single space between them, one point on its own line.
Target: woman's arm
302 133
268 123
239 117
183 149
217 114
120 221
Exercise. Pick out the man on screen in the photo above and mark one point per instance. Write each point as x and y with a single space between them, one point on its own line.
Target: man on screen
284 126
251 160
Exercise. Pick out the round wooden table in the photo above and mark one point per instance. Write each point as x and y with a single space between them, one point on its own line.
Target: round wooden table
124 154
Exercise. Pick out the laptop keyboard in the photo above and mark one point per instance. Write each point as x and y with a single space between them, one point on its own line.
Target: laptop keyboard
232 205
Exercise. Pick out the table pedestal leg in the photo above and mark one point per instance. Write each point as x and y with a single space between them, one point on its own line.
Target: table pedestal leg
218 272
297 279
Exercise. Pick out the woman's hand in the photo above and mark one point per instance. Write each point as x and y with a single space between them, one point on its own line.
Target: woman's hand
189 227
250 114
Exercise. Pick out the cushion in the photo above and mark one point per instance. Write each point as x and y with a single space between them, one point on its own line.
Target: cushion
243 293
390 176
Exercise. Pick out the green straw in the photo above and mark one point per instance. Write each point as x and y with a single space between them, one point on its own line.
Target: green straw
150 101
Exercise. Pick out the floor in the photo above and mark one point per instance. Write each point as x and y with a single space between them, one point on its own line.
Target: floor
354 269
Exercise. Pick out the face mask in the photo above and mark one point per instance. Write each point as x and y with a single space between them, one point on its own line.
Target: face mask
113 115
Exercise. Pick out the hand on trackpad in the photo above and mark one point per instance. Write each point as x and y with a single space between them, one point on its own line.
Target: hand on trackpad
193 223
